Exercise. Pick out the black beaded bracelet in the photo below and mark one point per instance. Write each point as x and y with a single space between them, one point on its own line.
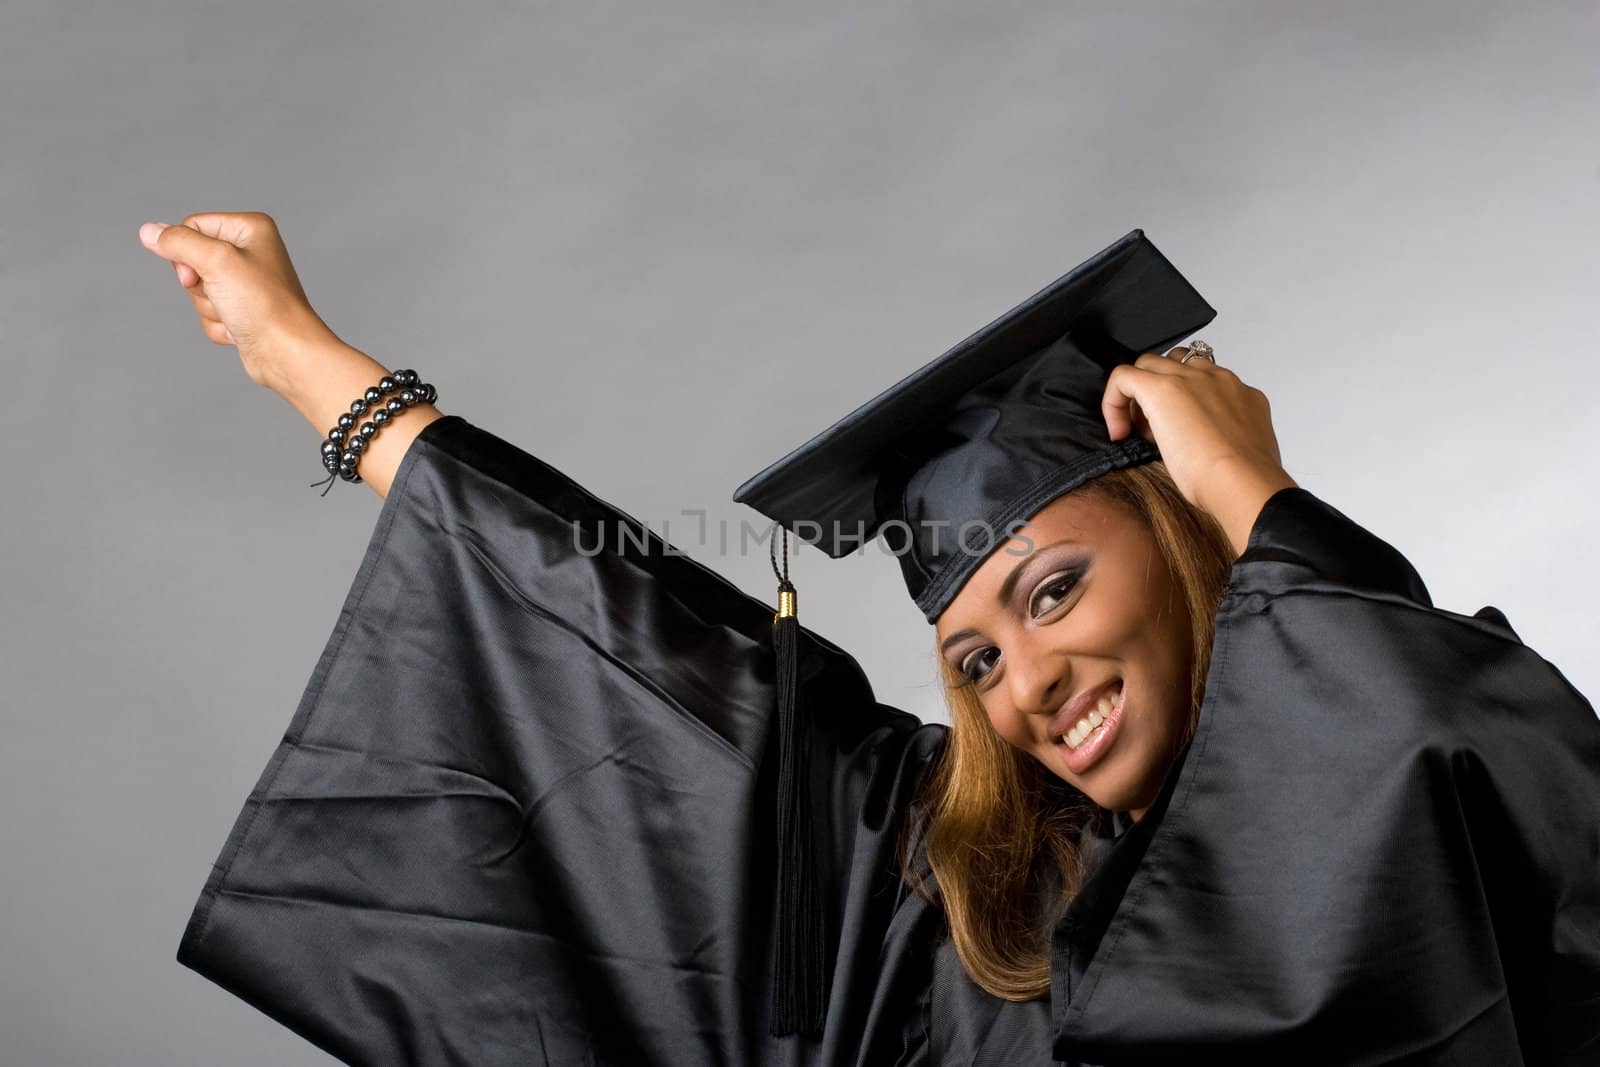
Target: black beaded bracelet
341 452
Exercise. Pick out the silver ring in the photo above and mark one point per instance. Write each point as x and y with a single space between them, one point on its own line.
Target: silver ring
1201 349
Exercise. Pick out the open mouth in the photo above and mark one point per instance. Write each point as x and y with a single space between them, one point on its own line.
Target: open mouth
1090 737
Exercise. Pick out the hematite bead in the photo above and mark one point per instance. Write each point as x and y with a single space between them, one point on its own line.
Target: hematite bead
331 461
349 458
388 384
429 394
330 448
396 405
346 421
336 434
347 473
373 395
368 429
358 406
381 416
358 445
406 377
408 397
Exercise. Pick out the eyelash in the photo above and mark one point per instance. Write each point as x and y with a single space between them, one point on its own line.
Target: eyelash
1066 582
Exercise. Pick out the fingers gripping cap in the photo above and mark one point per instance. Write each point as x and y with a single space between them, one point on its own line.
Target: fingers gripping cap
946 463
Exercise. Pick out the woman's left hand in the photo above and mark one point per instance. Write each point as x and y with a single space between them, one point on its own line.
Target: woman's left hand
1213 430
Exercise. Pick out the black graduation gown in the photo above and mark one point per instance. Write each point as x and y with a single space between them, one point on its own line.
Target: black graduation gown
523 814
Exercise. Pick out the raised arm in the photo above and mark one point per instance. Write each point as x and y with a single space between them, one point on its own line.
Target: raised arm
525 809
237 273
322 375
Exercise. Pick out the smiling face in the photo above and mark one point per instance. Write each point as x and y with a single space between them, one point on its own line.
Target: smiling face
1086 607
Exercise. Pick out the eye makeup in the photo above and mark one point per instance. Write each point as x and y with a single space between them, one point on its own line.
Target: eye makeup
1055 587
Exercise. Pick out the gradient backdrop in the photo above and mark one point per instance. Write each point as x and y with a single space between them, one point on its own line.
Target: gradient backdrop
659 246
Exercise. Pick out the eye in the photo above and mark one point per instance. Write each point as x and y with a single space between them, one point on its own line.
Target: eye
977 658
1051 592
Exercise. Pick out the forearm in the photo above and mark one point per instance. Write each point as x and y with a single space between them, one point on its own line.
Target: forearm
1242 491
319 377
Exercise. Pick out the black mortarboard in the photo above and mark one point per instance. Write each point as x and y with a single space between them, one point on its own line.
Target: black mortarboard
945 464
989 432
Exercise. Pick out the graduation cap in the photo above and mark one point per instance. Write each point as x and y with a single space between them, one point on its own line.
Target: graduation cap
945 465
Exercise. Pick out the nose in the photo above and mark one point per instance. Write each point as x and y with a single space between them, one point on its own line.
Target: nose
1038 676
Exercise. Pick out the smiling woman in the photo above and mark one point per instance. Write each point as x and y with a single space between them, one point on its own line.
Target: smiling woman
1222 782
1126 582
1121 589
1218 769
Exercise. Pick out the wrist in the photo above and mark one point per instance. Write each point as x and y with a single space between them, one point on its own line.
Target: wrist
321 375
1242 490
294 356
323 380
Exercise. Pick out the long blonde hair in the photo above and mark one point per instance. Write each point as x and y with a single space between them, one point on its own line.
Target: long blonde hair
1000 830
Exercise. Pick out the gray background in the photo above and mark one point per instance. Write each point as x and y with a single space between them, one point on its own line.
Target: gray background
659 246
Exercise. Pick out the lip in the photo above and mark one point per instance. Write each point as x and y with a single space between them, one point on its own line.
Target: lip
1089 753
1078 707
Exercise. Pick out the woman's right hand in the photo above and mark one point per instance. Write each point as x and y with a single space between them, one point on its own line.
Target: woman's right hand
1214 432
237 272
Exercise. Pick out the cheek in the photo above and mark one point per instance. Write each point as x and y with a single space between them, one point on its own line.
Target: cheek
1165 647
1009 727
1144 613
1114 623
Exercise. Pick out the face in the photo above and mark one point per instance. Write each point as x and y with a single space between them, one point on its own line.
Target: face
1085 607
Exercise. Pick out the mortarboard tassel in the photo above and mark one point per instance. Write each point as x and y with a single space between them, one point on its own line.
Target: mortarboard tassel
798 987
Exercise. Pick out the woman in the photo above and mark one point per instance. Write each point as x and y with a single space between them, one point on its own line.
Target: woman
522 810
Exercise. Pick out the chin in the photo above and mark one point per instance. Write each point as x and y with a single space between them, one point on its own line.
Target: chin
1130 796
1127 781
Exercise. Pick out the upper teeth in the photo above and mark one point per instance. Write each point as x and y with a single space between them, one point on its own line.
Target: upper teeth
1085 726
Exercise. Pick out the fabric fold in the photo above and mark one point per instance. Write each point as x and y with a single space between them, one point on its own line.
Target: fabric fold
1382 844
523 810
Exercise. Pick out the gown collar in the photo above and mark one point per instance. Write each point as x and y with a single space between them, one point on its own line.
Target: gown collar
1111 848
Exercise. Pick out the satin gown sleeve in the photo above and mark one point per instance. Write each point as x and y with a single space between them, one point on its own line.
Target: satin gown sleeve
1381 846
523 813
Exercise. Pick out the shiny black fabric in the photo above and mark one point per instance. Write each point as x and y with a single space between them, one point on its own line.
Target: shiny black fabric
947 462
1015 444
522 812
1382 845
520 817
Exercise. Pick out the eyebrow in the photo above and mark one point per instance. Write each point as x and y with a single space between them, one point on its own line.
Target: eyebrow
1006 588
